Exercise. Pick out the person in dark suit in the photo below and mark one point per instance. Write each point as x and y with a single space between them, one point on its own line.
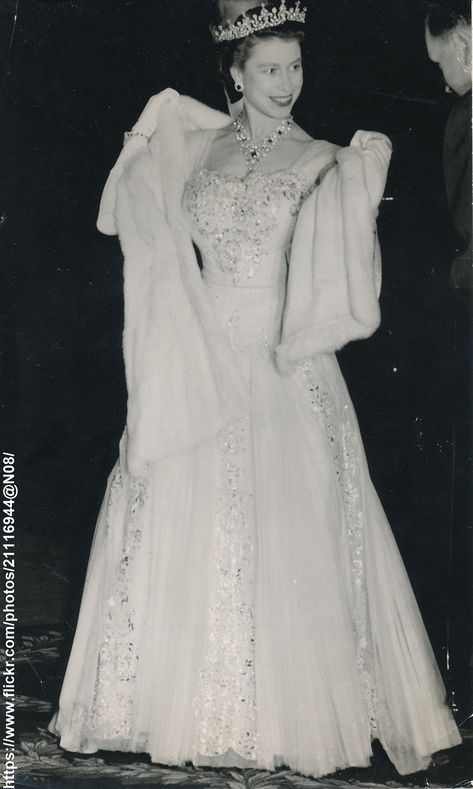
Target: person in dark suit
448 39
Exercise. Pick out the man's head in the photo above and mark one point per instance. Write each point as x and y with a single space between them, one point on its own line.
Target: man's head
448 39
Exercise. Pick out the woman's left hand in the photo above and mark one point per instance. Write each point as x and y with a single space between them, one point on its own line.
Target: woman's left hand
377 150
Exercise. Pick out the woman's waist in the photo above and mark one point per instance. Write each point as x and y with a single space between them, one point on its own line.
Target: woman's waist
249 315
258 270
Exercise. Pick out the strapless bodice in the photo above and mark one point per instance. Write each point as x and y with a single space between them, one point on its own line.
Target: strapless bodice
243 226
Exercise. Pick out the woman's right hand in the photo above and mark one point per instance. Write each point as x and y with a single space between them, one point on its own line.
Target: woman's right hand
376 149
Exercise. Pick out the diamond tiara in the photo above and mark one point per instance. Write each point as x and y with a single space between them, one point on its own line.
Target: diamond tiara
267 18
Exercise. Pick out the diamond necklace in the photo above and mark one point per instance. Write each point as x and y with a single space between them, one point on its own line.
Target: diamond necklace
254 152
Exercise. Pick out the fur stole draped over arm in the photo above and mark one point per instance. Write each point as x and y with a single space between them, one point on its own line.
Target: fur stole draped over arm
335 266
183 385
183 381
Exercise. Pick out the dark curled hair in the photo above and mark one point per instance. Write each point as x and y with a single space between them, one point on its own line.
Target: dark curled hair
443 16
238 51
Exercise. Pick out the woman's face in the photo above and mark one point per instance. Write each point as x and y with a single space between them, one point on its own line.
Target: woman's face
272 76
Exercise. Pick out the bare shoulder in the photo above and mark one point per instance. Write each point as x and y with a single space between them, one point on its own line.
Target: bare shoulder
315 155
222 150
199 136
198 142
311 144
301 143
301 135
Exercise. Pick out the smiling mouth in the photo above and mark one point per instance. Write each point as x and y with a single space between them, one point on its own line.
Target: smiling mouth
282 100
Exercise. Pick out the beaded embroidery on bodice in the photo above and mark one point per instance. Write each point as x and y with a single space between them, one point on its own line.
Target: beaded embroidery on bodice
243 226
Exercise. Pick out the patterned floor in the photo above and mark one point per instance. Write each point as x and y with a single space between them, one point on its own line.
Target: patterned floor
42 763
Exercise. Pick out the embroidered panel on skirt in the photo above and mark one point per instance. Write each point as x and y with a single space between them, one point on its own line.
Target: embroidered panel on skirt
343 446
111 713
225 706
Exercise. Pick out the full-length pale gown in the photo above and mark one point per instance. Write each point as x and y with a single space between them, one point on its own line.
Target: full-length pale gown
245 602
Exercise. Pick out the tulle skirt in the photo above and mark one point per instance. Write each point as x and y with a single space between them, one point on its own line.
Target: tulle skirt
245 602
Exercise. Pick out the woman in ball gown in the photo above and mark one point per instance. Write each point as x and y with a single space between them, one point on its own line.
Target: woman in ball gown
245 602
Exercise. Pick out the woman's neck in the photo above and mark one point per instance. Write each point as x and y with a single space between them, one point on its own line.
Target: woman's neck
259 125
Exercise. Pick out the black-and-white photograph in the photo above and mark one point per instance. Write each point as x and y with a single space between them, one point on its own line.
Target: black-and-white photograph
236 393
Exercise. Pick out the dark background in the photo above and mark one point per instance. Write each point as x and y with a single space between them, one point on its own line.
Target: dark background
75 75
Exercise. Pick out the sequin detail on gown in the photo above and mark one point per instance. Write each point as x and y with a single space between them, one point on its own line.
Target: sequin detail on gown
237 226
238 217
346 466
225 617
226 703
112 704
